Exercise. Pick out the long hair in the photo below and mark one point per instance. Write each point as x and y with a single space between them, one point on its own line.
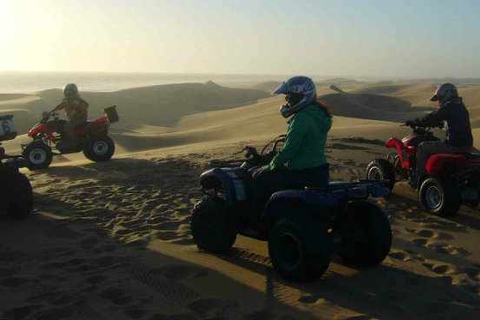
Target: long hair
324 107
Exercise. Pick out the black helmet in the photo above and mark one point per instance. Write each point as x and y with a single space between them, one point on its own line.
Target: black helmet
445 92
70 90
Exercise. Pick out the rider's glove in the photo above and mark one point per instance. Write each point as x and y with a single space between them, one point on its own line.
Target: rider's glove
411 123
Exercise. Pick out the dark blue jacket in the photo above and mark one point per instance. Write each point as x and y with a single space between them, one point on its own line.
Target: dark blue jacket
457 118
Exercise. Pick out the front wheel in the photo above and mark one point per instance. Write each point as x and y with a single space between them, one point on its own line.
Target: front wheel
441 197
300 252
99 149
213 228
366 235
381 170
38 155
16 193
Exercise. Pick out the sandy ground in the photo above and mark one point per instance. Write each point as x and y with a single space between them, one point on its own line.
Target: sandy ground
112 240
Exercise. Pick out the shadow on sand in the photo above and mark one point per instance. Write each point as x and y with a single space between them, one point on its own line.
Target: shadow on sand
95 263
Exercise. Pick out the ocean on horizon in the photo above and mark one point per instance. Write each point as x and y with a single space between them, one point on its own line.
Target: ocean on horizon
30 82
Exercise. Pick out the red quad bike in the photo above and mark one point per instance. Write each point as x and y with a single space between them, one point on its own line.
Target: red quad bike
16 196
450 180
48 140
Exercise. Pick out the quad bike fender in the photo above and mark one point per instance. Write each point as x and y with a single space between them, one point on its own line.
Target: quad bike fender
226 181
96 129
394 143
41 129
302 205
436 164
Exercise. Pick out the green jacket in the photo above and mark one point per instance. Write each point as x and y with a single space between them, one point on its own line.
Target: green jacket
305 144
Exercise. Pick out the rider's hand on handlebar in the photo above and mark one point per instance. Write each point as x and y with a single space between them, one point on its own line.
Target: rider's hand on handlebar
257 172
412 123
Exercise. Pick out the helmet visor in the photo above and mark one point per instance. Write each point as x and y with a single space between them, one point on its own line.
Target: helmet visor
282 89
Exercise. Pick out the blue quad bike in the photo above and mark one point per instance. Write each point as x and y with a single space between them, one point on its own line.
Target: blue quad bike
16 196
304 228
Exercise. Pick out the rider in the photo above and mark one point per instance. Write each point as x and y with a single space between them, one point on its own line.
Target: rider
76 109
454 114
301 162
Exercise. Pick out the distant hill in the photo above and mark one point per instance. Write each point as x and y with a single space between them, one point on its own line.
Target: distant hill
161 105
268 86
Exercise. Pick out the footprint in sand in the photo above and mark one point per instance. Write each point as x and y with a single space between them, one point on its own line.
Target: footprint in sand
441 268
441 247
420 242
430 234
165 235
473 272
400 255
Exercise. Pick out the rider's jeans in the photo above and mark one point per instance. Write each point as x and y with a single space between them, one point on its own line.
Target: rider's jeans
428 148
269 182
69 130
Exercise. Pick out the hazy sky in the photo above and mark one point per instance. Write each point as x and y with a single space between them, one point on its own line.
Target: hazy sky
357 37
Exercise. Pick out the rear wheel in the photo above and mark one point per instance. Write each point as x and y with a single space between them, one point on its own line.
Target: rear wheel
299 252
213 228
366 235
16 193
440 196
381 170
38 155
99 149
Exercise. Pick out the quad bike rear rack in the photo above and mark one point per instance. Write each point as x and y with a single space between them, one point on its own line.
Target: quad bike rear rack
357 189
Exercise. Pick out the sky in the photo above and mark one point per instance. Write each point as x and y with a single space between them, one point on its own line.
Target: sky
363 38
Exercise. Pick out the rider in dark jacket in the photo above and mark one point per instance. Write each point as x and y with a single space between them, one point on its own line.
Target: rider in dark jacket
454 115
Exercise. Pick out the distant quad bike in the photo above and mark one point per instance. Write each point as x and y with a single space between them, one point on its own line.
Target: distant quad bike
450 179
48 140
16 197
304 228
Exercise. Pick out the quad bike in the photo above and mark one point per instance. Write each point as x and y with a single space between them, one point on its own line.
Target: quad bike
304 228
16 196
49 139
450 179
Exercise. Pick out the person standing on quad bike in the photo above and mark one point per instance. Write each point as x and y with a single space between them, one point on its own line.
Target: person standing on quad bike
76 109
455 115
301 162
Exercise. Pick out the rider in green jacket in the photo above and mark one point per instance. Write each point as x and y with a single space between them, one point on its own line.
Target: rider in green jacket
301 162
306 137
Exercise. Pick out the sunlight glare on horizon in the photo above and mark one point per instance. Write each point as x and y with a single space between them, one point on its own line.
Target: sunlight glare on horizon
364 37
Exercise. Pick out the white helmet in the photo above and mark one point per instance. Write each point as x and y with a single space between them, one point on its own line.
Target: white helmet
300 92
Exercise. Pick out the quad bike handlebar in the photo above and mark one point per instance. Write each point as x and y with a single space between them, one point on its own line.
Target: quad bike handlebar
268 152
46 116
253 158
419 128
